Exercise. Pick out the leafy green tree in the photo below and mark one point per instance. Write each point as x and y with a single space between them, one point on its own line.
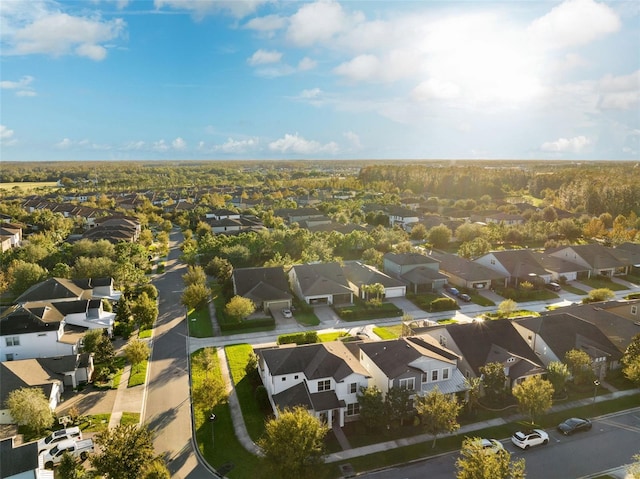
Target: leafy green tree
145 311
69 468
251 369
474 248
239 308
157 469
398 405
418 232
534 396
194 275
579 364
439 236
209 393
438 413
136 352
474 388
220 268
30 407
125 452
293 443
494 381
475 463
599 294
631 370
61 270
91 340
558 373
634 468
22 275
372 408
506 307
195 295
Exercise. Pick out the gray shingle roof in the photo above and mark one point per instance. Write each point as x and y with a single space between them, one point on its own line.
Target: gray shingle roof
322 278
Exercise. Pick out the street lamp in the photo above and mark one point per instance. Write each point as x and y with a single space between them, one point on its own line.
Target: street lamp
596 383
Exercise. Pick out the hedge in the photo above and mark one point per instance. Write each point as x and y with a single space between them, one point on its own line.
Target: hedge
253 323
357 313
308 337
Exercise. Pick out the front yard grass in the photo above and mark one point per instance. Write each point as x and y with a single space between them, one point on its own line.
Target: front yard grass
387 332
130 418
603 283
199 322
328 337
145 333
572 289
306 318
138 374
480 300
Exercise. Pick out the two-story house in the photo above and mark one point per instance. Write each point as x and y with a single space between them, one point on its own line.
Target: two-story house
420 272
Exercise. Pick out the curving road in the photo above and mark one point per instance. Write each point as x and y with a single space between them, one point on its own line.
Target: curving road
168 405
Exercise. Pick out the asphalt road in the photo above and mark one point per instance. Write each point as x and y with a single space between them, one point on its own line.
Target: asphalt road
613 441
168 405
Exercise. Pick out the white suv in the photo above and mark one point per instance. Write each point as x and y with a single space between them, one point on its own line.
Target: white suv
525 439
54 438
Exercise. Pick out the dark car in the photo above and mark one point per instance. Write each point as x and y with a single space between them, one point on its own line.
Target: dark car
465 297
454 291
553 286
574 424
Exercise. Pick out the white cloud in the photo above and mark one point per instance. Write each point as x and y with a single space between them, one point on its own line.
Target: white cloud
306 64
310 94
263 57
295 144
160 146
319 22
202 8
435 89
20 84
362 67
59 34
620 93
134 145
238 146
267 25
26 93
353 138
574 23
6 136
65 144
576 144
179 144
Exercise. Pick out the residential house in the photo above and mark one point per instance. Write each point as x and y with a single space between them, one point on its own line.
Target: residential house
561 268
114 229
629 254
595 258
27 373
419 272
222 214
325 378
482 342
296 215
43 329
518 265
465 273
268 288
320 283
359 274
509 219
21 462
13 232
61 289
401 216
415 363
553 334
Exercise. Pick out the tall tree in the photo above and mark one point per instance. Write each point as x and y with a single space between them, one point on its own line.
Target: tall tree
195 295
69 468
293 443
494 381
194 275
125 452
239 308
22 275
579 364
534 396
475 463
439 236
558 374
372 408
145 311
438 413
398 405
506 307
30 407
136 351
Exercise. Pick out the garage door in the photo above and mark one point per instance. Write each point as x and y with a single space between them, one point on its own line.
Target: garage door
278 305
398 292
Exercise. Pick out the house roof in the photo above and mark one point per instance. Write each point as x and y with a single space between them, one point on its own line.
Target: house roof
596 255
422 275
482 342
22 374
556 264
52 289
316 361
519 262
627 253
464 268
297 395
409 258
562 332
259 284
29 318
359 273
394 356
18 460
321 278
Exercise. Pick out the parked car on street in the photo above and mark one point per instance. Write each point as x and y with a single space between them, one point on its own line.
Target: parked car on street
491 446
574 424
454 291
57 436
526 439
465 297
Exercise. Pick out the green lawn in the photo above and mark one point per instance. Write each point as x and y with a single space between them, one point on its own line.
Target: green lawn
328 337
603 283
200 322
130 418
138 374
480 300
306 318
95 422
145 333
386 332
573 289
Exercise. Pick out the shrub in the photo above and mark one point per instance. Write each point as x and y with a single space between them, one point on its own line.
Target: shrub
308 337
443 304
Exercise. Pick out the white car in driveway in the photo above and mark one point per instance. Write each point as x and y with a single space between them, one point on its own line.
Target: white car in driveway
58 436
287 313
533 437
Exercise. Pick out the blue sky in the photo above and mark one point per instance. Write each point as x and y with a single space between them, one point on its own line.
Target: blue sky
268 79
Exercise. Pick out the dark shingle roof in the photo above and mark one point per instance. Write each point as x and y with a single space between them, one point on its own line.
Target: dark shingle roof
52 289
359 274
18 460
259 284
409 258
29 318
321 278
464 268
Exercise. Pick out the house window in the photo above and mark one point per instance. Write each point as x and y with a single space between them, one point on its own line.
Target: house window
408 383
493 261
445 374
443 341
634 310
295 377
353 409
12 340
324 385
424 378
9 356
434 375
284 379
353 388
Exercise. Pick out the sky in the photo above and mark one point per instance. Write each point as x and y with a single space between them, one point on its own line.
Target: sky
272 79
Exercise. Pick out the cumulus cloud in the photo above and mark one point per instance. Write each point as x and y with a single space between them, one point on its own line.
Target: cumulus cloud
576 144
23 86
201 8
319 22
134 145
65 144
620 92
297 145
353 139
574 23
435 89
179 144
6 136
238 146
267 25
263 57
306 64
160 146
56 34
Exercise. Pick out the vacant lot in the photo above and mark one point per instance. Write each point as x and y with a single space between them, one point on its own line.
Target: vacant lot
27 186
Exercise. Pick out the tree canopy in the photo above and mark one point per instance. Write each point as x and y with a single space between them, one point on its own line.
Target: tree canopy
30 407
438 413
